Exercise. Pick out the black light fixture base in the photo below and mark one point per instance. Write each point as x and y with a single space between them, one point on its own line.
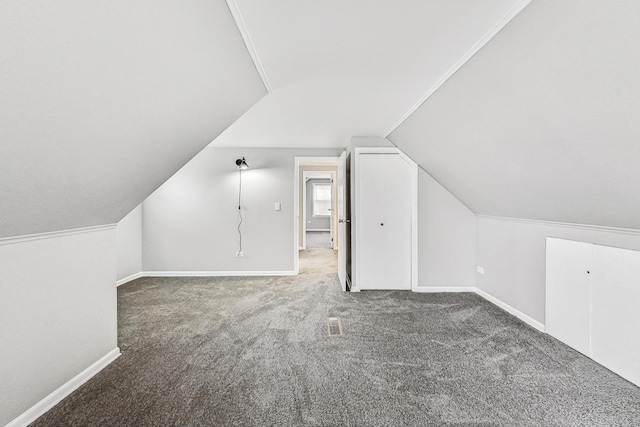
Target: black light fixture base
242 163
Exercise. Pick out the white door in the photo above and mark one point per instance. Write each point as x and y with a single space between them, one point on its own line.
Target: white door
568 292
397 223
342 225
384 216
615 315
372 249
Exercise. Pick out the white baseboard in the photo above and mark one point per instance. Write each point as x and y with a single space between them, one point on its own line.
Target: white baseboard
495 301
215 273
433 289
37 410
506 307
318 229
129 279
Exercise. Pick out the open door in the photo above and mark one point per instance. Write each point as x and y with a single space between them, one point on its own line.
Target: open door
332 219
342 220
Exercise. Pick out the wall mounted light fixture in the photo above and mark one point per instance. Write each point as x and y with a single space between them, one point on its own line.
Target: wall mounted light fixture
242 164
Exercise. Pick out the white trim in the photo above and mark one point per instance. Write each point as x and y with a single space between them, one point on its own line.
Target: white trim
600 228
414 221
513 311
129 279
319 229
434 289
37 410
216 273
55 234
296 215
304 210
414 210
246 36
511 13
330 162
317 175
493 300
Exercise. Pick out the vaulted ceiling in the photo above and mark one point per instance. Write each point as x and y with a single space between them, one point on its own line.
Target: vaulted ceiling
342 68
102 101
543 122
530 117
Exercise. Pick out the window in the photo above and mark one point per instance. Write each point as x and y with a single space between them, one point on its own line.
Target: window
322 199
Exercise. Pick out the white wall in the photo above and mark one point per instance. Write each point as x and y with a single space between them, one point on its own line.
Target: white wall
512 253
129 241
190 222
447 237
57 311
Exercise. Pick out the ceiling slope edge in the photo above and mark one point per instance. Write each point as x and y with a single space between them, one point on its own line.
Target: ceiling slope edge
393 144
246 36
511 13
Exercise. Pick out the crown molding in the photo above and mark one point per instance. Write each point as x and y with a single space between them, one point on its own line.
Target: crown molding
600 228
246 36
54 234
511 13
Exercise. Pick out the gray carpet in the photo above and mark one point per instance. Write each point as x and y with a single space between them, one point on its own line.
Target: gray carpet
255 351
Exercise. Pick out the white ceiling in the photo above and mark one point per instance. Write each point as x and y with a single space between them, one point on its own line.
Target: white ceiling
102 101
543 122
344 68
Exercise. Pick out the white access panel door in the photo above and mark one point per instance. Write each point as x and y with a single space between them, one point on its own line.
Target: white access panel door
568 292
372 250
615 311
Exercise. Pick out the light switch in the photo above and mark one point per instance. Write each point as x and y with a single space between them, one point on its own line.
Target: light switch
278 206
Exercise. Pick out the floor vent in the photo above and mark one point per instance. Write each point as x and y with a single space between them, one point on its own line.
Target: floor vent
335 328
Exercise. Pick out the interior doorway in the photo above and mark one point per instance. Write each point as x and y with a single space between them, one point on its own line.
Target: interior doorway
318 210
316 219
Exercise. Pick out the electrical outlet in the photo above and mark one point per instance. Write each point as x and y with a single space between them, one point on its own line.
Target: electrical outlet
240 254
480 269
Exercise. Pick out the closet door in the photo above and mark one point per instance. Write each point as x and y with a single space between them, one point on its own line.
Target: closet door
397 222
615 311
568 292
383 221
372 251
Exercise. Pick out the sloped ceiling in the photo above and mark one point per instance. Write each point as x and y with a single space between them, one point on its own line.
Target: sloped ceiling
102 101
343 68
543 122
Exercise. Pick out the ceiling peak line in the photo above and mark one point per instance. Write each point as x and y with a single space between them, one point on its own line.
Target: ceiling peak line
511 13
246 36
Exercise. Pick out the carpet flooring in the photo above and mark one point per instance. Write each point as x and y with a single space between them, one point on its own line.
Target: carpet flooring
255 351
318 239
